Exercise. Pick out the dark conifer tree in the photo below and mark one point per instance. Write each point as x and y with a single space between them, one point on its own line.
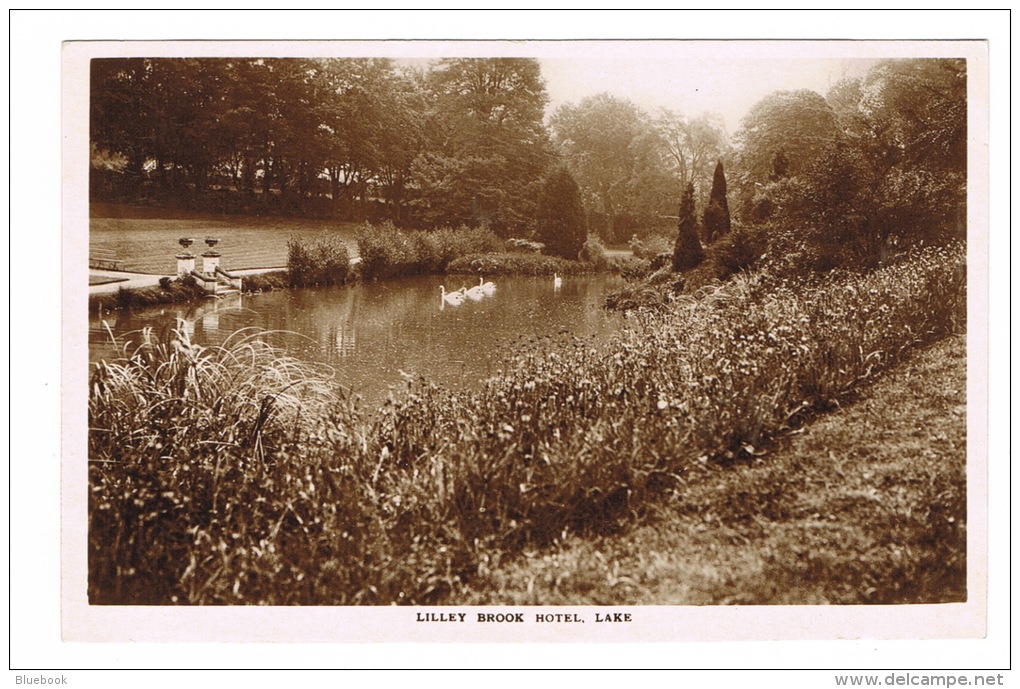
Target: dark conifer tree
688 252
716 220
561 220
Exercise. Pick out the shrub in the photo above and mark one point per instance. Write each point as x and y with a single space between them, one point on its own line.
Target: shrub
266 282
169 291
387 251
631 268
524 245
593 252
514 264
737 251
323 261
651 246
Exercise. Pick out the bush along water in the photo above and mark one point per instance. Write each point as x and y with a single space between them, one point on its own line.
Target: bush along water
323 261
387 251
235 475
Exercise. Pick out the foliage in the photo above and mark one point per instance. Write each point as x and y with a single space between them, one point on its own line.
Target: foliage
716 220
387 251
515 263
738 250
629 165
463 142
687 253
324 261
265 282
593 252
878 166
190 489
561 222
174 291
595 138
524 245
784 133
485 146
792 525
690 144
651 246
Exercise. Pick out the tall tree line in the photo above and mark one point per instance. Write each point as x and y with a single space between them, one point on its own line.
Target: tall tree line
878 161
458 141
461 142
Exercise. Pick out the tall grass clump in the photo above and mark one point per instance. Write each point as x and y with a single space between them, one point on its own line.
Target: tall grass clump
387 251
320 262
236 475
200 489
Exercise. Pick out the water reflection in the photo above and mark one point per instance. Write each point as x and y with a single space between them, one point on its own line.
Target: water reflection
371 333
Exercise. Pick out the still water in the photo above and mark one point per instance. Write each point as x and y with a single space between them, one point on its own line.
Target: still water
371 333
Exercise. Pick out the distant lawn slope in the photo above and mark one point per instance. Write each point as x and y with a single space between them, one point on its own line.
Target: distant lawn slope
147 244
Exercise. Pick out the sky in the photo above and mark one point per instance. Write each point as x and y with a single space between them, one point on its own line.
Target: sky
728 87
690 77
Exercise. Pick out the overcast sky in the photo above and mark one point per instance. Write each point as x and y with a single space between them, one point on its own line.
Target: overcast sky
729 87
691 77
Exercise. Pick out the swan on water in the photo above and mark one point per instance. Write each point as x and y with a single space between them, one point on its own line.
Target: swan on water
452 298
488 288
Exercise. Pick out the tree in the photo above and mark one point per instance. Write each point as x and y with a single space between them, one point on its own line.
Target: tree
561 220
486 145
596 137
779 138
119 118
691 145
402 139
687 253
716 220
880 164
350 119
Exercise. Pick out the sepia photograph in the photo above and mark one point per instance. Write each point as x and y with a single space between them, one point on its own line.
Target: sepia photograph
524 341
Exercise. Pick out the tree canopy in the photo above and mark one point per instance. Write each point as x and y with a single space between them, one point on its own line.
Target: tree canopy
879 163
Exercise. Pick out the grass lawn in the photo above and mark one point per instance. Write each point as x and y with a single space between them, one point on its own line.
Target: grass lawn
147 243
102 280
865 505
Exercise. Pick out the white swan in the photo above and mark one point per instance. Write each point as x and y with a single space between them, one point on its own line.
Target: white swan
475 293
453 298
557 281
488 288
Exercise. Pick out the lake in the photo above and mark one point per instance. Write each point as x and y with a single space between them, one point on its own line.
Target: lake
372 333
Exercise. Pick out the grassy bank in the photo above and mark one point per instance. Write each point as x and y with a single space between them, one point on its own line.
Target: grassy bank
178 291
194 500
866 505
169 291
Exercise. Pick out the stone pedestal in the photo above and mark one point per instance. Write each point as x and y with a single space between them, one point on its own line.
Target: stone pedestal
185 264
